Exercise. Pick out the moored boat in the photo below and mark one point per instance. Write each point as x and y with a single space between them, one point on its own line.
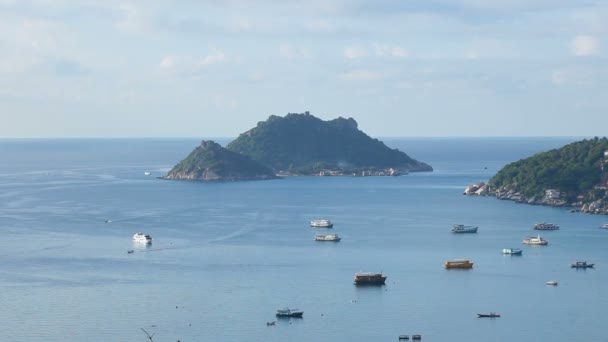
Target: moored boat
461 228
581 264
287 312
321 223
488 315
327 237
512 251
535 241
369 279
546 226
142 238
458 263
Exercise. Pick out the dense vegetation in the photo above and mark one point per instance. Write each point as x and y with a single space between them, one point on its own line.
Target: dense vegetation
573 169
210 161
302 143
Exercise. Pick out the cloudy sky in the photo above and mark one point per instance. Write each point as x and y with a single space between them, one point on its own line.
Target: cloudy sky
214 68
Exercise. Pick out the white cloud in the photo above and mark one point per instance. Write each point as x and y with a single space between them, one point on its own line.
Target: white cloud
290 52
240 25
320 25
188 63
584 45
355 52
558 77
389 51
359 75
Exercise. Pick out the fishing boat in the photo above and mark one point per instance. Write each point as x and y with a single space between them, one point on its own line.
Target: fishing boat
581 264
142 238
488 315
512 251
321 223
546 226
539 241
461 228
369 279
458 263
327 237
289 313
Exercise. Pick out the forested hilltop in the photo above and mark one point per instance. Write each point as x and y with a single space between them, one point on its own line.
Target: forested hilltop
574 175
305 144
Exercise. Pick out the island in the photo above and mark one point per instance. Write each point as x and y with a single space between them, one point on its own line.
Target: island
302 144
212 162
575 176
296 144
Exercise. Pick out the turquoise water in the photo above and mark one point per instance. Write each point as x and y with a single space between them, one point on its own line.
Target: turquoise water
225 256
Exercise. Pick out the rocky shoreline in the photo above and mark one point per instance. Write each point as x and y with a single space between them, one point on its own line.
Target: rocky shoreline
551 198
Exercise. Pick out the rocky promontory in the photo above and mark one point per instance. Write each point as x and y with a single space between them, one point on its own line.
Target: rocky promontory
574 176
212 162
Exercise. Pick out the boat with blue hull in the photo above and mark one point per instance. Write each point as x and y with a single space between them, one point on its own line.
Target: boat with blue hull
512 251
461 228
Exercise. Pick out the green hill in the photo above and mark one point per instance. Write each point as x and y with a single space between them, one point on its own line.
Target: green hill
304 144
212 162
573 170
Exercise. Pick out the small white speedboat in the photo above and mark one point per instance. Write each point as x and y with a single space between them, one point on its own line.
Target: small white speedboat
142 238
552 283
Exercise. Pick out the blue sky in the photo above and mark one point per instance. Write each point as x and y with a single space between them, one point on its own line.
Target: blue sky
156 68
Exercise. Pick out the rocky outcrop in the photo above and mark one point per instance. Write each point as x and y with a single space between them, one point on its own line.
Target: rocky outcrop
212 162
551 198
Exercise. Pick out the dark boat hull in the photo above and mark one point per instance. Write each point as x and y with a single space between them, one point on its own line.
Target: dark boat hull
291 315
487 315
379 281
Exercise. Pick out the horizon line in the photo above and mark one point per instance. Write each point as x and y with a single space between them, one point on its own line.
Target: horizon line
232 137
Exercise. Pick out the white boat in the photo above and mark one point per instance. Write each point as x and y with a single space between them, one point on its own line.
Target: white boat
461 228
142 238
512 251
321 223
327 237
552 283
147 173
604 226
535 241
546 226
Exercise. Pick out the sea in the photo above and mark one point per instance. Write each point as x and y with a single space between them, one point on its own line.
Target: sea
226 256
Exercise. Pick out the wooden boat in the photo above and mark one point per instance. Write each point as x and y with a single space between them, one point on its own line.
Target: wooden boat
369 279
488 315
286 312
581 264
458 263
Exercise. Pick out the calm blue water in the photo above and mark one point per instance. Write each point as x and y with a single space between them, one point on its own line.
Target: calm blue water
226 256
